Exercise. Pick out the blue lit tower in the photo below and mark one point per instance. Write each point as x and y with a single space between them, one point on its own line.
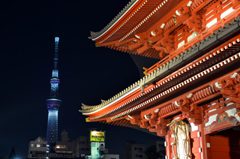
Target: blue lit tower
53 103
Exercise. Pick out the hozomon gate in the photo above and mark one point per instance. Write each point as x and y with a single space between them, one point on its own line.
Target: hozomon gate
192 95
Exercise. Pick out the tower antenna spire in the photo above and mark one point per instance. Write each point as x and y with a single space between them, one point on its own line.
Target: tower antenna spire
55 59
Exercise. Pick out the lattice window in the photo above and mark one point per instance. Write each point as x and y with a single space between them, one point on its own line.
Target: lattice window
192 35
183 36
226 8
218 11
211 15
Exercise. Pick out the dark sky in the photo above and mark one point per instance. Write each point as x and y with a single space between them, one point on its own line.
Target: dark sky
87 73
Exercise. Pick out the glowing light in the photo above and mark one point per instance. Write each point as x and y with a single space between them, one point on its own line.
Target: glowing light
156 110
178 13
189 4
55 73
234 75
146 117
153 33
38 145
192 36
218 85
52 114
211 23
137 36
56 39
181 44
227 12
176 104
130 117
162 26
54 86
95 147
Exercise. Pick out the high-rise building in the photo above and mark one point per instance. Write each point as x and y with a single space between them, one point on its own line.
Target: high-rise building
82 146
37 149
97 139
53 103
111 156
135 151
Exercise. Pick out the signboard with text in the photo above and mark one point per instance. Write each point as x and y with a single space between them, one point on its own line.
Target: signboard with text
97 136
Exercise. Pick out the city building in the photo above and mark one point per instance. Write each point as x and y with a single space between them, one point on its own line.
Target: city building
78 148
160 146
37 149
160 149
135 151
82 147
111 156
97 139
191 95
98 149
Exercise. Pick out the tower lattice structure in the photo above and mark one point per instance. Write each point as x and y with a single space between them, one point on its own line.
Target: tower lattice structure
53 103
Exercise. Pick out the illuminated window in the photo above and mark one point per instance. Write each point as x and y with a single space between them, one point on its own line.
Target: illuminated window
211 23
192 36
227 12
181 44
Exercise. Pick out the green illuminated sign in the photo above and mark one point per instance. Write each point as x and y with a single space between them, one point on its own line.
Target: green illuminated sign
97 136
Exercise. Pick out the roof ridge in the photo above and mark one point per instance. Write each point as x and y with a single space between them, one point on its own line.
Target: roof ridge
94 35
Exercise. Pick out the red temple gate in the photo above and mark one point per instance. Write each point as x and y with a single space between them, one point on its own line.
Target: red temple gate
191 96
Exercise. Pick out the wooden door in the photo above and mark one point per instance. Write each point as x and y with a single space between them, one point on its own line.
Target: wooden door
224 145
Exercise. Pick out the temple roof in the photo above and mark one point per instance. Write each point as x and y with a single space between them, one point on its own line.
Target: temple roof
95 35
163 70
196 47
136 18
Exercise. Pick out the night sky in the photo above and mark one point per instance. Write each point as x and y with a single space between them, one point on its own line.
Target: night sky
87 73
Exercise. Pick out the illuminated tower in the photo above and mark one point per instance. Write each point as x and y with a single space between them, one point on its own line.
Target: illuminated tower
53 103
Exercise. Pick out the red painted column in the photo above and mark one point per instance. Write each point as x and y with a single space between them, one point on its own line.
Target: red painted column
198 144
168 145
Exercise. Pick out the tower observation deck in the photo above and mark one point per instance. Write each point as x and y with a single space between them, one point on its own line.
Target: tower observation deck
53 103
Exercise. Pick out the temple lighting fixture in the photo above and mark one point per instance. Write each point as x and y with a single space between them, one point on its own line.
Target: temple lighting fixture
234 75
156 110
162 26
189 95
189 4
153 33
176 104
218 85
130 117
211 23
137 36
146 117
178 13
226 13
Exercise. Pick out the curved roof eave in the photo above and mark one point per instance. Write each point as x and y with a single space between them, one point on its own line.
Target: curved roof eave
95 35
